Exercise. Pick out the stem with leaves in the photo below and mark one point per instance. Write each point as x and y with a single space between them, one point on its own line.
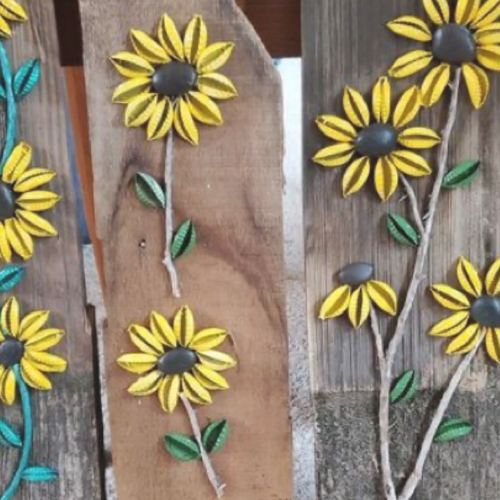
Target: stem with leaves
11 107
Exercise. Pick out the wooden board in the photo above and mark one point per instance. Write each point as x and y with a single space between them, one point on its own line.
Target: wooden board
65 435
231 187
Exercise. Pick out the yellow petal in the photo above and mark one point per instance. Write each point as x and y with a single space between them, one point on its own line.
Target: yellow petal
218 361
161 120
381 100
184 123
32 323
435 84
359 307
204 109
147 385
9 317
465 341
35 225
410 163
334 156
138 362
8 386
5 249
336 303
419 138
162 330
168 393
209 378
466 11
411 27
355 176
34 377
131 65
11 10
44 339
194 390
130 89
184 326
195 39
407 107
386 178
208 339
438 11
383 296
169 38
487 14
489 56
477 83
46 362
216 86
451 326
450 298
140 109
410 63
468 278
144 340
5 30
17 163
148 48
19 239
489 35
214 57
33 179
336 128
356 108
492 281
38 201
493 344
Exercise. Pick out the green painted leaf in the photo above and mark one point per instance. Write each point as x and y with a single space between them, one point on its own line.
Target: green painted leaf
38 474
3 95
215 435
181 447
184 240
402 231
148 191
26 78
9 436
452 429
404 388
10 276
462 175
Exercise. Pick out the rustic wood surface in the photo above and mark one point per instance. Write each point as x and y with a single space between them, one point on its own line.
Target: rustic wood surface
231 186
65 435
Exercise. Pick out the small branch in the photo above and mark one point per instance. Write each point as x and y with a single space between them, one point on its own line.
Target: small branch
214 479
169 215
413 204
416 475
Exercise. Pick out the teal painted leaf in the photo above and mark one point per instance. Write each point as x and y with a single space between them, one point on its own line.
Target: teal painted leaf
38 474
26 78
181 447
184 240
3 95
452 429
10 276
404 388
462 175
402 231
215 435
9 436
148 191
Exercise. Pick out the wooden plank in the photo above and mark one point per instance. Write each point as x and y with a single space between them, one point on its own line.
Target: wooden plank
65 435
231 186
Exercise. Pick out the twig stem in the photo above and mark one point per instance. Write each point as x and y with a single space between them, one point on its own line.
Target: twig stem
413 204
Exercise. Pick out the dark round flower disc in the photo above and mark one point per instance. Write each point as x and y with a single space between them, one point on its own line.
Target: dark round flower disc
486 311
377 140
454 44
356 274
7 201
11 352
177 361
174 78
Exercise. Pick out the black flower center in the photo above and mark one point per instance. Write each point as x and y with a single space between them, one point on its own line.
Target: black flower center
486 311
177 361
11 352
7 201
454 44
174 78
377 140
356 274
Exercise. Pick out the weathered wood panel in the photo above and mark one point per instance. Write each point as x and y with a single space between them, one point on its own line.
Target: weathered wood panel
231 187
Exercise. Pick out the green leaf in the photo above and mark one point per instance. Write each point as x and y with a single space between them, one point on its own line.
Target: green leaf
184 240
148 191
215 435
462 175
40 474
10 276
452 429
404 388
26 78
181 447
402 231
9 436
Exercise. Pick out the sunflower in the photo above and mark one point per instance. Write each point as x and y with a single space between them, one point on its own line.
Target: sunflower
376 142
25 342
358 303
173 81
177 360
10 10
477 310
469 41
20 198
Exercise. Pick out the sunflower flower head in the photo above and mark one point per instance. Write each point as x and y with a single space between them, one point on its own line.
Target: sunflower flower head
357 294
178 360
173 81
469 38
25 342
10 11
383 144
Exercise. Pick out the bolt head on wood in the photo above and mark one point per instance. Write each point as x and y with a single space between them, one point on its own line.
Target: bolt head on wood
174 79
356 274
377 140
454 44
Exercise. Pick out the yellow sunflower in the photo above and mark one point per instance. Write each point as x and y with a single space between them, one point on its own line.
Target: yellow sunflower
177 360
358 303
173 81
24 342
476 310
469 41
20 199
11 11
376 143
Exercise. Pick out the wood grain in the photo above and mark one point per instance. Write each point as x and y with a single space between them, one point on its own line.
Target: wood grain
231 186
65 435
